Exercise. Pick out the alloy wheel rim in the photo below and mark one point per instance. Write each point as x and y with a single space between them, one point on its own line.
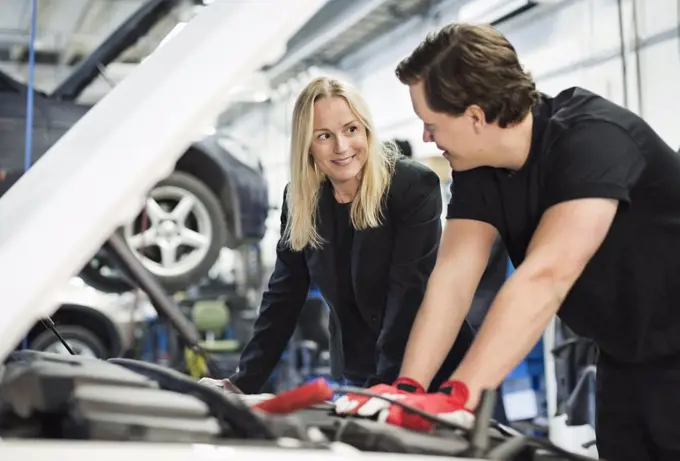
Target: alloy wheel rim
175 235
79 347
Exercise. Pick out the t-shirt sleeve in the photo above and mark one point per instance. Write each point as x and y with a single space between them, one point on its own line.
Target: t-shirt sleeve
471 196
594 160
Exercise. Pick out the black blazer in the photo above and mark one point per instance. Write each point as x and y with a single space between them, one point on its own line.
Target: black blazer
391 265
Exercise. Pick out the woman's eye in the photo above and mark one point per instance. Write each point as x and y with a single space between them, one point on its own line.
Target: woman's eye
323 136
353 129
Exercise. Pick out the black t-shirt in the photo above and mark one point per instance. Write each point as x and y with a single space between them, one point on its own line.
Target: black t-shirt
627 298
358 339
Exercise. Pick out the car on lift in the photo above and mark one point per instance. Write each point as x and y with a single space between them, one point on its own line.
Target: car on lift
216 197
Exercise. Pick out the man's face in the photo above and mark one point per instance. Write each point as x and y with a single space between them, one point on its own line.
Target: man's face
458 137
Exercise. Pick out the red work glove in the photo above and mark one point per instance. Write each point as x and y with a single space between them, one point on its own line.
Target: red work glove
352 404
447 403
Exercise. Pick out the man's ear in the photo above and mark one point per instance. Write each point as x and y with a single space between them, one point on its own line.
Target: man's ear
476 114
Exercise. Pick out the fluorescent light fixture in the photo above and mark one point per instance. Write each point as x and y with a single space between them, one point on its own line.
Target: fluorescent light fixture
491 11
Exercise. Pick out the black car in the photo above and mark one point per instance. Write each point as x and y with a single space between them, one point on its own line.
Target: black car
216 197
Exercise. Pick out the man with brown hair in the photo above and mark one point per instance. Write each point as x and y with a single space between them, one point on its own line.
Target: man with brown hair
586 197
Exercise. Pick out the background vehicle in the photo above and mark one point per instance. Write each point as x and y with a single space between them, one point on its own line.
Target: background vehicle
216 197
94 324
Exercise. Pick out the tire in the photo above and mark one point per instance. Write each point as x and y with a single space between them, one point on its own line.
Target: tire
205 219
76 336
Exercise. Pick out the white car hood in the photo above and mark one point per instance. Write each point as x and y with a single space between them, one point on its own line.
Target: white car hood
111 451
96 177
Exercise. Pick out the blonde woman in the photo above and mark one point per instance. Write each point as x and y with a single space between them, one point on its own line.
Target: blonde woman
362 224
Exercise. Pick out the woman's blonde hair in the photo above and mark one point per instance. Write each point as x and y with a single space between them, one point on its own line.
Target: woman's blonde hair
306 180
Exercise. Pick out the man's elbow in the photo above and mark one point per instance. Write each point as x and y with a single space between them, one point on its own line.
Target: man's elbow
557 278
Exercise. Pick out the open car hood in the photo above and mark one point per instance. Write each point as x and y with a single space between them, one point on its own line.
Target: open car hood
96 177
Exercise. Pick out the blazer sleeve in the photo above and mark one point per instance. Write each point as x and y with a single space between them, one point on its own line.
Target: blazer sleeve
281 305
417 233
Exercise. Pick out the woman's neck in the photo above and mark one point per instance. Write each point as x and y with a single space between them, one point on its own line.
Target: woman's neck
345 191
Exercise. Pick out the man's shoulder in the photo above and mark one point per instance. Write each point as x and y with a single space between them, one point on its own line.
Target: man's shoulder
580 120
577 114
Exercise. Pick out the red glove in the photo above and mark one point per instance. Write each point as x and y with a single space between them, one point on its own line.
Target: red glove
447 403
353 404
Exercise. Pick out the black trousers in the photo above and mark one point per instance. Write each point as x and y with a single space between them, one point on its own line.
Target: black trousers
638 410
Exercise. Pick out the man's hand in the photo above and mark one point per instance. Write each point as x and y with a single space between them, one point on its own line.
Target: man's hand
447 403
352 404
225 384
461 261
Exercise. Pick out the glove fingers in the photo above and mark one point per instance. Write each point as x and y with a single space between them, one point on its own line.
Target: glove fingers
416 422
400 417
391 415
373 406
396 416
461 417
345 404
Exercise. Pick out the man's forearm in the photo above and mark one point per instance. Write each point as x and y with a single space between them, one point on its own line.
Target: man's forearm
514 324
435 328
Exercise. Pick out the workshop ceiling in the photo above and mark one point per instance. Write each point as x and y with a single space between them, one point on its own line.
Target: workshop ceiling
354 23
67 30
338 29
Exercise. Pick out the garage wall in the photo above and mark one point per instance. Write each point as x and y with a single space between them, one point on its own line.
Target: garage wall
576 42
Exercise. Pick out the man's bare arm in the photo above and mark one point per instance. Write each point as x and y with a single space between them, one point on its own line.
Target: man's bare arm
567 237
462 258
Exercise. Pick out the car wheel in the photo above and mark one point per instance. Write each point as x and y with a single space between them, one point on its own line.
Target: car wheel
81 340
180 233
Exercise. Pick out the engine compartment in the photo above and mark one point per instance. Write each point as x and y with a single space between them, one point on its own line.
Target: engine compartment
51 396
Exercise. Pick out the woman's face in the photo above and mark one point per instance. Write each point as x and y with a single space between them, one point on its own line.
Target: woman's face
339 143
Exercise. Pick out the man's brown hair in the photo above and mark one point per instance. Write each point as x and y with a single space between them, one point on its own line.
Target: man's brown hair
465 64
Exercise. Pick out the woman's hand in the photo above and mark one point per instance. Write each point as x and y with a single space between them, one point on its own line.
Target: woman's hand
225 384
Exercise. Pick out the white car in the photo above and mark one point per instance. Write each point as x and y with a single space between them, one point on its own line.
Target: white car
94 324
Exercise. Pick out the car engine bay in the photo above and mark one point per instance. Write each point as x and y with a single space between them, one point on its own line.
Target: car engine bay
58 397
